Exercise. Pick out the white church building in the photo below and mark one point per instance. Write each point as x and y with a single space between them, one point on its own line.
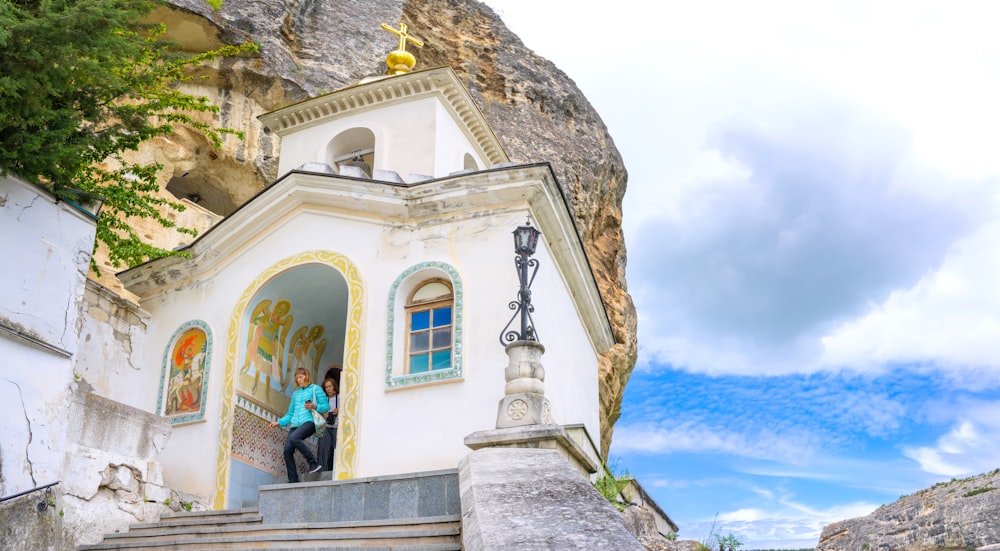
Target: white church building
382 255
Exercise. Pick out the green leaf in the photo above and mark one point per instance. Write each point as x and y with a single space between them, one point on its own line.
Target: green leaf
81 83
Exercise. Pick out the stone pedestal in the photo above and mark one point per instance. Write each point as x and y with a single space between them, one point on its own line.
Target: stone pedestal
532 499
524 416
524 402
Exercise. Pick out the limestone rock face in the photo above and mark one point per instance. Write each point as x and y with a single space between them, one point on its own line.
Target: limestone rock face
310 47
961 514
642 524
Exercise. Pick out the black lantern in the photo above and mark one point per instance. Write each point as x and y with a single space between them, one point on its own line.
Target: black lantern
526 239
525 243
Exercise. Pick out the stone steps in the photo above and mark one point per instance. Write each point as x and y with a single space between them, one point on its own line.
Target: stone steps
410 512
243 529
229 517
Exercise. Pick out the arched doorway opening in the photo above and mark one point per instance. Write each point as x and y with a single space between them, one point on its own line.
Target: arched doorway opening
302 312
297 319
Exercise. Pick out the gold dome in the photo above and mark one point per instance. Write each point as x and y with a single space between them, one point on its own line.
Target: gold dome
399 60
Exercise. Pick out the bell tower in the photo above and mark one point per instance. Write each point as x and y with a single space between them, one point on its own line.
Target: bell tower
404 127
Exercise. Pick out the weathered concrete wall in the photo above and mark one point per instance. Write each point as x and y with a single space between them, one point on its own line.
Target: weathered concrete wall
47 261
111 477
51 428
23 527
50 250
104 456
111 328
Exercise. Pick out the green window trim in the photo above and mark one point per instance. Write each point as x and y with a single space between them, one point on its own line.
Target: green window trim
398 349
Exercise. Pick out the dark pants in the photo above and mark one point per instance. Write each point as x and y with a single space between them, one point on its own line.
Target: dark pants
327 447
296 441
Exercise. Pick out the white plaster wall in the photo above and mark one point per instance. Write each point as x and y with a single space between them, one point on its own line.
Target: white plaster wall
110 330
34 396
422 427
51 252
190 457
452 145
402 430
47 263
571 379
417 137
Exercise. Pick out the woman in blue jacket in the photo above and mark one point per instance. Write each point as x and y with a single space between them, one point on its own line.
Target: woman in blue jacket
305 399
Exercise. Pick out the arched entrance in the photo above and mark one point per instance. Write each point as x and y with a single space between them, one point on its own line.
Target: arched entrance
304 311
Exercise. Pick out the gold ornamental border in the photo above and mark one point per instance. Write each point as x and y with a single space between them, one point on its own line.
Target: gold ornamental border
350 383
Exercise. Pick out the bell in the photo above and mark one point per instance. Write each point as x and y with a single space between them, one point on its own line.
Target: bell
359 163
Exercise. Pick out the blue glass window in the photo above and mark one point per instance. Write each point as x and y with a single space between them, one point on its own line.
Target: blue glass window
442 359
430 331
419 363
442 316
420 320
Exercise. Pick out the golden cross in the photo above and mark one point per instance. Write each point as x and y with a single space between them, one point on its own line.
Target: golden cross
403 36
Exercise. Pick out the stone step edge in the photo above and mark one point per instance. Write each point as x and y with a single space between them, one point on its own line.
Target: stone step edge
174 522
310 529
392 547
146 529
366 539
212 513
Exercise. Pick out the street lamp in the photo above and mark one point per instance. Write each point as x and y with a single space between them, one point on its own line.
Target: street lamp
525 242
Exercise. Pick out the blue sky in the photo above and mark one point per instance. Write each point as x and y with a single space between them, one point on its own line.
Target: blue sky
813 228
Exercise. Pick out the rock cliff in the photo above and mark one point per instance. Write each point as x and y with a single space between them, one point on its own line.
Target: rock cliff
960 515
309 47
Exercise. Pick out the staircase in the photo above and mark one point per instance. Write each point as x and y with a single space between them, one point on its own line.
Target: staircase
418 512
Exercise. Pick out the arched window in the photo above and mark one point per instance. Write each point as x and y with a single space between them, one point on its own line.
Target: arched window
429 322
469 162
352 150
424 320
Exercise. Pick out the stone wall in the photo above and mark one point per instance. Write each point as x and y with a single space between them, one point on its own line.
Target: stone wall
110 329
111 477
960 515
27 526
106 473
534 499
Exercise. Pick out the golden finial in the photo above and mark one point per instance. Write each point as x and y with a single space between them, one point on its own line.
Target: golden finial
399 60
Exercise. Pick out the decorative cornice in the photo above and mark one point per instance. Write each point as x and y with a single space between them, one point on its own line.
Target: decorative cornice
404 206
439 81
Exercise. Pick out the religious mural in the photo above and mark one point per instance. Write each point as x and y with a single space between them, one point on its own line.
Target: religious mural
272 356
288 326
264 357
265 349
307 350
184 382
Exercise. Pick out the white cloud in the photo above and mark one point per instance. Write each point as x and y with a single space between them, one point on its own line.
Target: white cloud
794 227
743 515
793 447
951 317
970 447
912 120
784 523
